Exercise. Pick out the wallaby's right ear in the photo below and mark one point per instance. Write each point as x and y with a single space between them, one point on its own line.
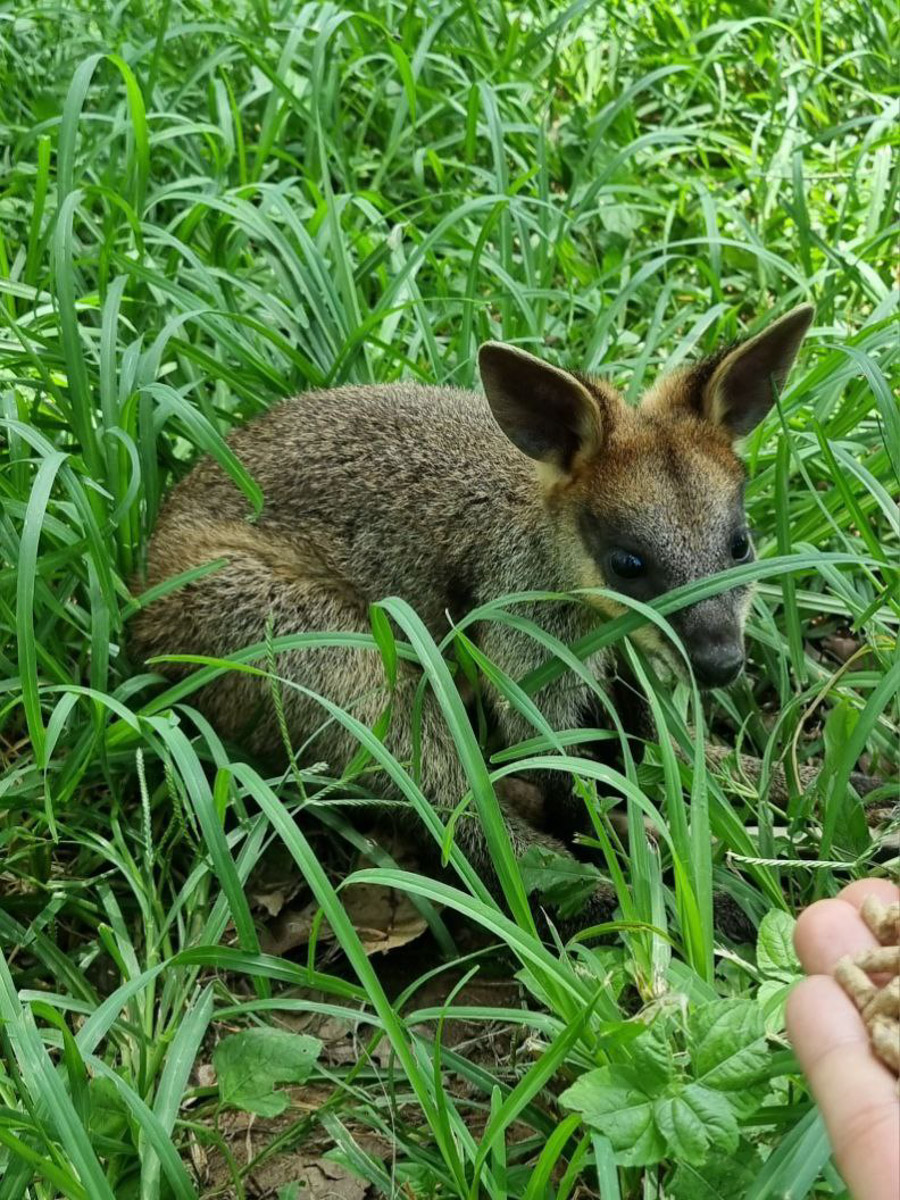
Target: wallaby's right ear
543 410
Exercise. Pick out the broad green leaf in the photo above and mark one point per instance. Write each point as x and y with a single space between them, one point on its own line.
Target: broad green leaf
727 1042
249 1065
108 1111
775 954
723 1174
652 1055
614 1100
772 997
562 881
693 1120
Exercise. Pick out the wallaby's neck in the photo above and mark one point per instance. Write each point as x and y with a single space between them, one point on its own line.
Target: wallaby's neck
521 549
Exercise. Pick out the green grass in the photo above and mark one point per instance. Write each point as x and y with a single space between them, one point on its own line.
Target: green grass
206 207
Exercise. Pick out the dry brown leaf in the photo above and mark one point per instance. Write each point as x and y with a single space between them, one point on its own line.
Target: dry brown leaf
326 1180
841 646
318 1180
275 881
206 1075
385 919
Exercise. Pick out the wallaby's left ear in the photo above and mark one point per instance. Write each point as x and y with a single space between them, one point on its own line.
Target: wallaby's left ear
739 392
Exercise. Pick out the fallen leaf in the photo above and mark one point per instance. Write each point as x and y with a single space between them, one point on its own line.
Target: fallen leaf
384 918
249 1064
326 1180
841 647
206 1075
274 882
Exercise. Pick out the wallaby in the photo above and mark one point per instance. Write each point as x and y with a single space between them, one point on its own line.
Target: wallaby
549 481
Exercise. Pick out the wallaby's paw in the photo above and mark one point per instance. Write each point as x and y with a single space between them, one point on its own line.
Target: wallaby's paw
523 798
731 920
864 785
600 909
618 818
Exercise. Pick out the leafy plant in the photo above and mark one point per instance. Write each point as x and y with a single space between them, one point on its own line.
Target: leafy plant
684 1090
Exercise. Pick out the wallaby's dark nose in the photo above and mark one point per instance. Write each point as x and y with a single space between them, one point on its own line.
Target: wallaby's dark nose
716 664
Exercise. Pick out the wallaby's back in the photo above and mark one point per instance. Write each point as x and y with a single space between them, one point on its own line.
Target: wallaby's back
396 488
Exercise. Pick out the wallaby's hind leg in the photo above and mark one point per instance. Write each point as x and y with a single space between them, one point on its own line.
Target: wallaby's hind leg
229 609
751 769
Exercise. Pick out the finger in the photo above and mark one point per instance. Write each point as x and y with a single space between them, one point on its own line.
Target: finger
856 1094
855 893
829 929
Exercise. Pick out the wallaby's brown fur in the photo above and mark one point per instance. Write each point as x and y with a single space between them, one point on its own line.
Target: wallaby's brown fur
451 499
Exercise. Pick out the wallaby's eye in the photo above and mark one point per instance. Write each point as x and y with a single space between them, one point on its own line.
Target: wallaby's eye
626 565
740 545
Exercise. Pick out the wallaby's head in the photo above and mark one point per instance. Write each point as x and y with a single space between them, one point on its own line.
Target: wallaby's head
648 498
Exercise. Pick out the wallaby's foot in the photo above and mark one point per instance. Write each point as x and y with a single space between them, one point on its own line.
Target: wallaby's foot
864 785
729 918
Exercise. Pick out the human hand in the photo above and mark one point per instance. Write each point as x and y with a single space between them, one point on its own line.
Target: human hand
855 1092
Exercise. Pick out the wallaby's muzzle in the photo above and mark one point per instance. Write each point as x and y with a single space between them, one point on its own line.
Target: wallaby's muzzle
717 663
713 636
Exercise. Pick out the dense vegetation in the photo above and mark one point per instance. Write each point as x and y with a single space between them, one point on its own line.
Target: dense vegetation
207 206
